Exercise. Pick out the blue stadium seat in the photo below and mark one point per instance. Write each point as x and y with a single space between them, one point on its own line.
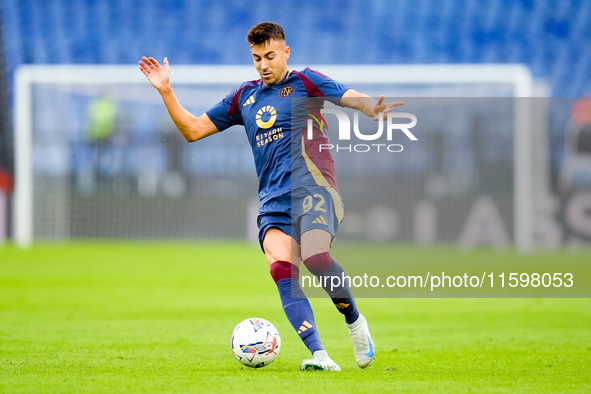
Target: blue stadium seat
203 31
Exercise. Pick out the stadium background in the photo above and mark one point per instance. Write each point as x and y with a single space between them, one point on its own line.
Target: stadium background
117 316
113 169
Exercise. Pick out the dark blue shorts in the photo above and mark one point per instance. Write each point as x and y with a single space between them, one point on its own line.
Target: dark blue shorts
312 207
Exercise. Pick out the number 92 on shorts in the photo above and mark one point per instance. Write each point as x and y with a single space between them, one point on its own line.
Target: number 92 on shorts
315 207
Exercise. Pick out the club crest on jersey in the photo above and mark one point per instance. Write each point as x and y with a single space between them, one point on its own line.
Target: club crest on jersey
266 117
286 91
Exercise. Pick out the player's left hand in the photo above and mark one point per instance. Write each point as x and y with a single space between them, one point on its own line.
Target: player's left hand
384 108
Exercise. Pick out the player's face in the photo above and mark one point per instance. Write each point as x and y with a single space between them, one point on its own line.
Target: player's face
270 60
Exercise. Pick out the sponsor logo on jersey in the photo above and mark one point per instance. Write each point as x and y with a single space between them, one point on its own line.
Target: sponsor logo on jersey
266 117
265 137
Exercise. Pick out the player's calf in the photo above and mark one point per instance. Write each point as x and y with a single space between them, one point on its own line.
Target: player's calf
331 275
296 306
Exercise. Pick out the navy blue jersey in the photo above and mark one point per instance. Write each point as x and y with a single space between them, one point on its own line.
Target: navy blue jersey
266 113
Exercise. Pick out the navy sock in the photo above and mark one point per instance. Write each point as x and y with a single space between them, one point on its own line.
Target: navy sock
324 267
296 306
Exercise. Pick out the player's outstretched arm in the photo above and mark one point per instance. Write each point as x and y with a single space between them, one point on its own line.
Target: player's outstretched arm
367 104
191 127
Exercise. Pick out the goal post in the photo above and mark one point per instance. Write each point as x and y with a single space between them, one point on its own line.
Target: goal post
517 77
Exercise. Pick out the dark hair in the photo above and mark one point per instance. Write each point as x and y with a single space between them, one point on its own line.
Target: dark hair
264 32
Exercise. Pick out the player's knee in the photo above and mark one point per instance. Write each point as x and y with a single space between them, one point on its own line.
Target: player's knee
315 241
318 263
284 270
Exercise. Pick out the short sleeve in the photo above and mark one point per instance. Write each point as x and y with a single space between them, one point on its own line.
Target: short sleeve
226 113
330 88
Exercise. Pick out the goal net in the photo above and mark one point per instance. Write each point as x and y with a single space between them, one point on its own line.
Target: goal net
99 158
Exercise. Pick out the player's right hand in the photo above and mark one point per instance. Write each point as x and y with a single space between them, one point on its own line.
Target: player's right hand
158 75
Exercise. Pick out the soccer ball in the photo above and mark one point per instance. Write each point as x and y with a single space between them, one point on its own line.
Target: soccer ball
255 342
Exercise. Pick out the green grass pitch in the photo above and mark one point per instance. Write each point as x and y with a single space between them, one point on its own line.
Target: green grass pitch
94 317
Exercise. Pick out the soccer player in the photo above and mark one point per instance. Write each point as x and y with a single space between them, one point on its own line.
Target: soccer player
300 207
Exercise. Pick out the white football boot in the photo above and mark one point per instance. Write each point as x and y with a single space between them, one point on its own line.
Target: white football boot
363 345
319 362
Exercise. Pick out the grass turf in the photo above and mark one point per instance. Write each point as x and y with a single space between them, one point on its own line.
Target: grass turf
158 317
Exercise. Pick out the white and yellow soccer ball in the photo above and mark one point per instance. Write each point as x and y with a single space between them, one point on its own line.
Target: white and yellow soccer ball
255 342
